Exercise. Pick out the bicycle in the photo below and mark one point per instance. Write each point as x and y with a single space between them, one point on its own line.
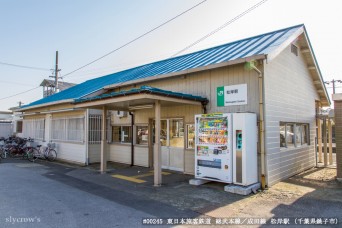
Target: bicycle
47 152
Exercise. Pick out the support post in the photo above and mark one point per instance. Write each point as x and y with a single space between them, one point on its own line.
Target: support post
325 142
103 141
319 140
330 142
157 148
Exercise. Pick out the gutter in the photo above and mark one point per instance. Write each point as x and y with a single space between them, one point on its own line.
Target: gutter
52 111
261 126
45 104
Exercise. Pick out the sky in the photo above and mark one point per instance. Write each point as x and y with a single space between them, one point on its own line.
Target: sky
84 30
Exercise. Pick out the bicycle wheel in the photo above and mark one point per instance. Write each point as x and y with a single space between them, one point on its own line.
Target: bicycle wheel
52 155
32 154
13 153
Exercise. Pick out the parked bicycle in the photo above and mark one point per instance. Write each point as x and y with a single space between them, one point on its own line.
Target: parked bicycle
43 152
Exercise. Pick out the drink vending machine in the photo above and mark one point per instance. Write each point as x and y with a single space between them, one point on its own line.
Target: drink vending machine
226 147
213 155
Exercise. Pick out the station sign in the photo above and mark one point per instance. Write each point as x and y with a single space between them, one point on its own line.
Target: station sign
231 95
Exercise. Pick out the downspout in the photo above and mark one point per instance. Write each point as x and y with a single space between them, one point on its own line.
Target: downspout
261 126
204 106
132 140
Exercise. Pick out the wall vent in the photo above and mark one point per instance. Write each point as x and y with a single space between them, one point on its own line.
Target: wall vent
294 49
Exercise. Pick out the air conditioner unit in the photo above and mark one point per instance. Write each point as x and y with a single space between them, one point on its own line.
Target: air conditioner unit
121 114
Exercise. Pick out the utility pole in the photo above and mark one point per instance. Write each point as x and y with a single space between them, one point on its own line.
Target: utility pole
333 83
56 73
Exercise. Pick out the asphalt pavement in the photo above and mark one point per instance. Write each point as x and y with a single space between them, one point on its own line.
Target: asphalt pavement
43 195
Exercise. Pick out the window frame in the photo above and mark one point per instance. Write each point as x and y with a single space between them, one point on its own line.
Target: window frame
136 135
187 136
65 130
296 144
120 134
34 128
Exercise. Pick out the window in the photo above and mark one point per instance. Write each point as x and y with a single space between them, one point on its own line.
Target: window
289 135
190 137
282 135
19 126
68 129
298 134
171 132
34 128
122 134
142 135
293 134
305 133
176 133
95 122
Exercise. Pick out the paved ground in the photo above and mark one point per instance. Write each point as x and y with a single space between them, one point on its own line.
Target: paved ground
61 195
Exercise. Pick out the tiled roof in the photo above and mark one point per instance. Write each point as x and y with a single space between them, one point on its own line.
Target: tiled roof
257 45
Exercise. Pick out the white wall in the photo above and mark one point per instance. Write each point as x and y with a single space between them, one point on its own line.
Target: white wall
289 97
6 129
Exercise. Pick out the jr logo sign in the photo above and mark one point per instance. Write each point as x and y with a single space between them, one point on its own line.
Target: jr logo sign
220 96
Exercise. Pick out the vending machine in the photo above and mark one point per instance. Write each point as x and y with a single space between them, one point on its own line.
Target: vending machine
226 147
213 155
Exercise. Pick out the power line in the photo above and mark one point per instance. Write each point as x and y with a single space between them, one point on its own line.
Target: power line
135 39
19 93
16 83
218 29
122 46
26 67
221 27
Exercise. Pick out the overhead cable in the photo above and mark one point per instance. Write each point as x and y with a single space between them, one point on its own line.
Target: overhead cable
221 27
26 67
137 38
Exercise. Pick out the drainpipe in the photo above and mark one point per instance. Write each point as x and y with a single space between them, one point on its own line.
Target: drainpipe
132 138
204 106
261 126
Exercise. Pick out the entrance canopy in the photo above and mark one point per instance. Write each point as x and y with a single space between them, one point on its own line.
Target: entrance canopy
138 98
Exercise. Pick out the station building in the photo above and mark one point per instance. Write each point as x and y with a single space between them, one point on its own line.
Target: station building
113 118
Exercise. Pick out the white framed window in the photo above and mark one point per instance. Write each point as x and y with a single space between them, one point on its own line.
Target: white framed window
293 134
122 134
70 129
34 128
142 135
